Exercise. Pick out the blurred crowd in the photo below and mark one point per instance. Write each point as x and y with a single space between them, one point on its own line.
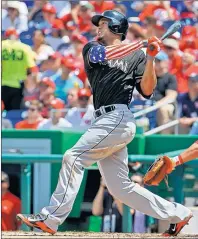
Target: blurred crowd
47 87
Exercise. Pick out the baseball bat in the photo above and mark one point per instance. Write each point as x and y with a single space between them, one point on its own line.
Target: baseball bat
171 30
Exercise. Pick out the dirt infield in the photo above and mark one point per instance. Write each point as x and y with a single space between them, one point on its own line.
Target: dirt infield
61 235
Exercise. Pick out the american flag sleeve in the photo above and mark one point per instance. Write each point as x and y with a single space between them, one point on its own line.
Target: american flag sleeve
101 53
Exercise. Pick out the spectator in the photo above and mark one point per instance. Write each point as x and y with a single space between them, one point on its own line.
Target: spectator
66 79
33 116
153 27
72 98
35 15
78 42
141 222
100 5
46 88
81 14
188 106
161 10
5 123
121 8
49 15
51 65
63 7
111 210
40 47
81 115
17 59
10 206
57 36
56 121
171 47
165 90
189 38
136 33
188 9
188 59
31 90
14 18
149 24
140 103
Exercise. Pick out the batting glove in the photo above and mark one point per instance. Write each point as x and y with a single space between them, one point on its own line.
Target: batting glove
154 46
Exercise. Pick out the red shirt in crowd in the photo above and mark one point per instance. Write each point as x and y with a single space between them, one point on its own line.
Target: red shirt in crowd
24 124
10 207
176 68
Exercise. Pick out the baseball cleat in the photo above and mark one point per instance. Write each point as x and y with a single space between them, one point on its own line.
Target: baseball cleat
35 221
175 229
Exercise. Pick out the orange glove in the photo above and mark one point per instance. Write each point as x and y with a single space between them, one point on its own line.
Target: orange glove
154 46
154 39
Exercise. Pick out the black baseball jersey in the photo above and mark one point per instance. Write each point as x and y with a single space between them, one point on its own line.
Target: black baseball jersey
113 81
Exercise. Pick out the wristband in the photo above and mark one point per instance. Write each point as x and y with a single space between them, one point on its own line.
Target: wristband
150 57
180 161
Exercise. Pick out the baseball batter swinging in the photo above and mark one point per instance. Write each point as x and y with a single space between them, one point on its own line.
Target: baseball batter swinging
113 70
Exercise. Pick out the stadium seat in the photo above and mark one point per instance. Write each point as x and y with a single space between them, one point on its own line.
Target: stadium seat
14 116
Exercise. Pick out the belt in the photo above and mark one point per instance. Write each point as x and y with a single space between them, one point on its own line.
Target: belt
103 110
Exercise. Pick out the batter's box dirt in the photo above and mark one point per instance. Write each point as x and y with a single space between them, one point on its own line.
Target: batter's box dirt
63 235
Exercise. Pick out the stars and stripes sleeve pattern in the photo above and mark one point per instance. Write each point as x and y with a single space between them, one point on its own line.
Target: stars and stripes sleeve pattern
101 53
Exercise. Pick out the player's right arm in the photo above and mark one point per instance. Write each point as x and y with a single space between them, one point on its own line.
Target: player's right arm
149 80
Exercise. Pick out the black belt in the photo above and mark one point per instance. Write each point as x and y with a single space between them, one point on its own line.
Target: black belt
107 109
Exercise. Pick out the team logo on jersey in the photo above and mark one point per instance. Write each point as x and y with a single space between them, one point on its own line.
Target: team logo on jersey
119 64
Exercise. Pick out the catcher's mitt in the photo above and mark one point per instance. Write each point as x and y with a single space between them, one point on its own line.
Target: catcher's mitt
158 171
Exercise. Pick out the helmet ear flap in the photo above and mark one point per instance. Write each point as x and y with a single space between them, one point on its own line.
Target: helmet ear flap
114 26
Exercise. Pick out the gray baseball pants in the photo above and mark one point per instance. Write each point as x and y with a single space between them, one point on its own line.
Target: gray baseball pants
105 143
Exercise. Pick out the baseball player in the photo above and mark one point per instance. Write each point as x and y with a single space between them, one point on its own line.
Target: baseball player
113 70
165 165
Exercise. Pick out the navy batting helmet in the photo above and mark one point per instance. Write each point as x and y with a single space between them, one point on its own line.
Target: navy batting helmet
118 23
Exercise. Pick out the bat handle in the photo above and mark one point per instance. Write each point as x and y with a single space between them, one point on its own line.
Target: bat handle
145 44
151 47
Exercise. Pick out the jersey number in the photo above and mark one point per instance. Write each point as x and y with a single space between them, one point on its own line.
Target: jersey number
15 55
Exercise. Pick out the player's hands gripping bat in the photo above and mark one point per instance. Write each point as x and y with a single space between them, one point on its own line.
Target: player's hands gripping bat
153 48
158 171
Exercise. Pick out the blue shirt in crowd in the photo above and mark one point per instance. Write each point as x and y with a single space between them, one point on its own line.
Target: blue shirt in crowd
64 85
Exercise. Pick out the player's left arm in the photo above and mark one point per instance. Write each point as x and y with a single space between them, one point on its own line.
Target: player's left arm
139 72
93 52
100 53
149 79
